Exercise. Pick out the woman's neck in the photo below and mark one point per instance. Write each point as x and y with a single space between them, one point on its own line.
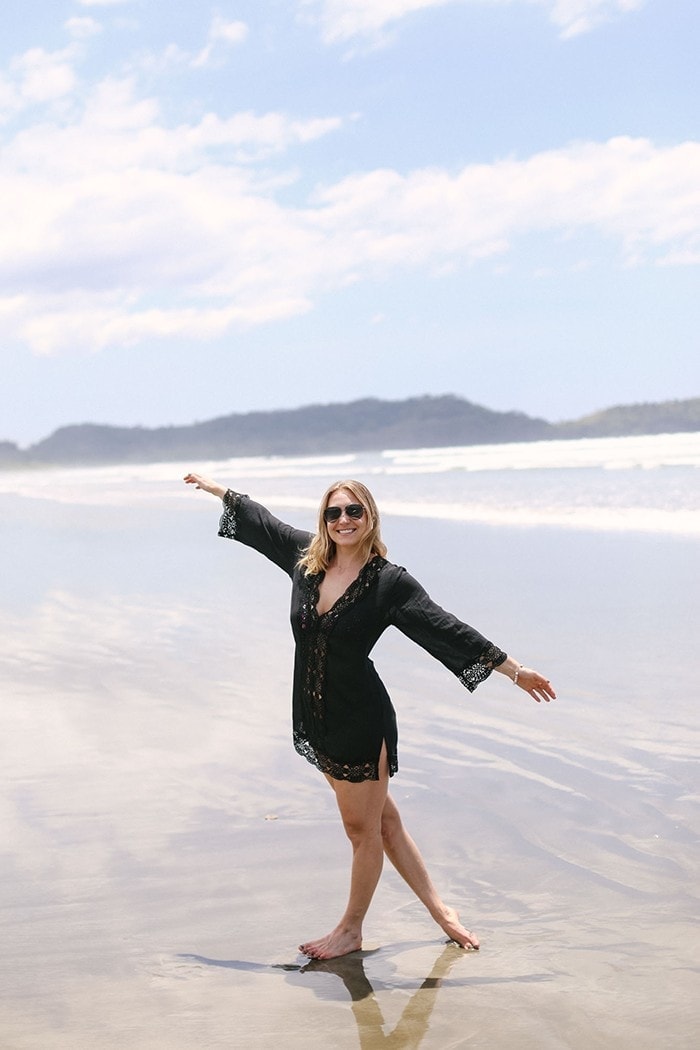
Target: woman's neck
346 561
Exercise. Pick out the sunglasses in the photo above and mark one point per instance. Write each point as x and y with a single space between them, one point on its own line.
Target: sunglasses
353 510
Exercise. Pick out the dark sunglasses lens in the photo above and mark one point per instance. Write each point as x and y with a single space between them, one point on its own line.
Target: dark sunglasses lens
353 510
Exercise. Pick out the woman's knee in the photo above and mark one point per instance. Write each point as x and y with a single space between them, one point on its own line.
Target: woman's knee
360 821
362 833
391 826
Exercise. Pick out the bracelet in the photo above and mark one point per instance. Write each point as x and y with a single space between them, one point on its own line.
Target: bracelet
517 673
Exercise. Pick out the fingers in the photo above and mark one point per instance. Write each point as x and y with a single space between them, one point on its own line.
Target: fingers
205 484
549 691
536 685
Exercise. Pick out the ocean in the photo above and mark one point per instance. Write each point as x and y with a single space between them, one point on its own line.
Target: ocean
165 850
646 483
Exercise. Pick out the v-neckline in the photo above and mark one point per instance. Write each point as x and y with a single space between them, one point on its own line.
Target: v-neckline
348 593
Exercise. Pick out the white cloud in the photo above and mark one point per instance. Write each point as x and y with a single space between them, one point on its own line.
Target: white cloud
231 32
83 28
43 76
220 32
221 37
580 16
344 19
120 131
645 198
37 78
105 221
117 228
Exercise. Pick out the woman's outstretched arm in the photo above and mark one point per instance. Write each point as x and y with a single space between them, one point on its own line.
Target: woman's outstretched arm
206 484
254 525
539 687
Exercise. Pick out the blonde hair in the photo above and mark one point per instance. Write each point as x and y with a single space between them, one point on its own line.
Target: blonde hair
321 550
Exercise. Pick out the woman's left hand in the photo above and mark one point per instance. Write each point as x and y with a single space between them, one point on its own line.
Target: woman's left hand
538 687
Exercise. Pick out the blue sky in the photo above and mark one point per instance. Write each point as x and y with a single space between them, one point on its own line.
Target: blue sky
271 203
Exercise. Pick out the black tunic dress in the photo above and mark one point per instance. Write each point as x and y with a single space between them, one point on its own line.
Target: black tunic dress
341 711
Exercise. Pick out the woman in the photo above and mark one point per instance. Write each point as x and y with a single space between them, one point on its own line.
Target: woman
344 595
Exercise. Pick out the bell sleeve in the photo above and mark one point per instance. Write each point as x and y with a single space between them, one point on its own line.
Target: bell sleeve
460 648
253 525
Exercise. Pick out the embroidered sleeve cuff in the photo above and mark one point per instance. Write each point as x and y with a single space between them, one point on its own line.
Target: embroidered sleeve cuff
228 522
474 674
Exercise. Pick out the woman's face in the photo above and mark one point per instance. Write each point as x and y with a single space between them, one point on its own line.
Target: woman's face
346 530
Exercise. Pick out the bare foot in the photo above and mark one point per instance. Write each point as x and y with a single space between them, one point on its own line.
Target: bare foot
450 923
339 942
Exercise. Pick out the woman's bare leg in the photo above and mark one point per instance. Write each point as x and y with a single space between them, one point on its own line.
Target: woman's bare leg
405 856
361 806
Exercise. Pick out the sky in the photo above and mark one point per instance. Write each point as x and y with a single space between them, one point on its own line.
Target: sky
218 208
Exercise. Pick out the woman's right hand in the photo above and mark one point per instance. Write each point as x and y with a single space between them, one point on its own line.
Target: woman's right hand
206 484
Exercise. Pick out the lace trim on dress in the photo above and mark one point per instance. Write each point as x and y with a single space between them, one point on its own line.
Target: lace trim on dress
356 774
316 631
476 673
320 627
228 522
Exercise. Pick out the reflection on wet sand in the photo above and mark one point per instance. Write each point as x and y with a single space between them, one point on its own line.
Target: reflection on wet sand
144 724
414 1022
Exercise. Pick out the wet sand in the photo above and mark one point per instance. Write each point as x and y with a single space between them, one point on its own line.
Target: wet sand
164 849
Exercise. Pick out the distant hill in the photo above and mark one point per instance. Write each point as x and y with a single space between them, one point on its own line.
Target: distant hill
365 425
10 455
359 426
665 417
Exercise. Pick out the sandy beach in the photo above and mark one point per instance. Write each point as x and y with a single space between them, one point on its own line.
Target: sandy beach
165 850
